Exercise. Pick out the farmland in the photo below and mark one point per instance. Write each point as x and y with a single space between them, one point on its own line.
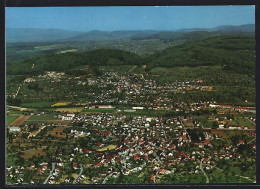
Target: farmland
10 119
20 120
30 153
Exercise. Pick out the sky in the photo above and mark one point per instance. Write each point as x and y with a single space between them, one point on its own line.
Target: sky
128 18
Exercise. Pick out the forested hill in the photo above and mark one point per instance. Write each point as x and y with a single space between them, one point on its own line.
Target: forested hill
236 53
67 61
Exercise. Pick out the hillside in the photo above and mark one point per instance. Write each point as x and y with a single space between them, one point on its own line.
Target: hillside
236 53
67 61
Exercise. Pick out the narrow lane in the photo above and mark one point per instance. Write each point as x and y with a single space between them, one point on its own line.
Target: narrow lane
53 167
81 170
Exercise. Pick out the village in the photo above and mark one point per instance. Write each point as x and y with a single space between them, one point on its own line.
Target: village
126 128
115 145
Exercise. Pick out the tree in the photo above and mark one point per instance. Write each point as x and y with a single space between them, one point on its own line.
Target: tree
215 125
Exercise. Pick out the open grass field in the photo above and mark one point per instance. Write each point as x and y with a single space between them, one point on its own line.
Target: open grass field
42 118
246 122
76 109
10 119
30 153
19 120
110 147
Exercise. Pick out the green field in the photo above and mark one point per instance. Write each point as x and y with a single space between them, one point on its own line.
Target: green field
10 119
42 118
246 122
37 104
205 122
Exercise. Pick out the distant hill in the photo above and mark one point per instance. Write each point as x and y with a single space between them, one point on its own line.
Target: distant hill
14 35
97 35
225 28
242 28
233 52
56 35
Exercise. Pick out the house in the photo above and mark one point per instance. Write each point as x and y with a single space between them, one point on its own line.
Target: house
14 129
138 108
241 142
100 144
104 106
29 80
66 118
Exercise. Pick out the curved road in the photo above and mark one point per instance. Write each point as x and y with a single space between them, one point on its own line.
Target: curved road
53 167
81 170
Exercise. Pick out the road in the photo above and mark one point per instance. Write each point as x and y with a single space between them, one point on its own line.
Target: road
251 140
201 168
53 167
81 170
251 121
104 181
132 69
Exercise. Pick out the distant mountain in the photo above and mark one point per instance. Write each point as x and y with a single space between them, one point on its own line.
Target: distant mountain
56 35
242 28
97 35
225 28
14 35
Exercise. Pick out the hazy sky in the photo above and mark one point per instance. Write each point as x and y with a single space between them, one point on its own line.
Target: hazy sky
128 18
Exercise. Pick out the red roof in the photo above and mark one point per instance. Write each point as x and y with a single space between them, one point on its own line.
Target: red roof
99 143
99 154
85 150
207 141
226 146
253 133
106 133
162 170
136 157
240 107
241 142
97 164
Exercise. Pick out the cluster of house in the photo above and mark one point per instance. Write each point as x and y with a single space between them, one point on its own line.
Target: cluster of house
138 90
235 108
44 166
122 123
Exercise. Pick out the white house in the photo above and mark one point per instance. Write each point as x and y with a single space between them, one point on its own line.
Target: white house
15 129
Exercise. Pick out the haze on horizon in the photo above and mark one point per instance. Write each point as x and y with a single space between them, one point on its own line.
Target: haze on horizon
128 18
